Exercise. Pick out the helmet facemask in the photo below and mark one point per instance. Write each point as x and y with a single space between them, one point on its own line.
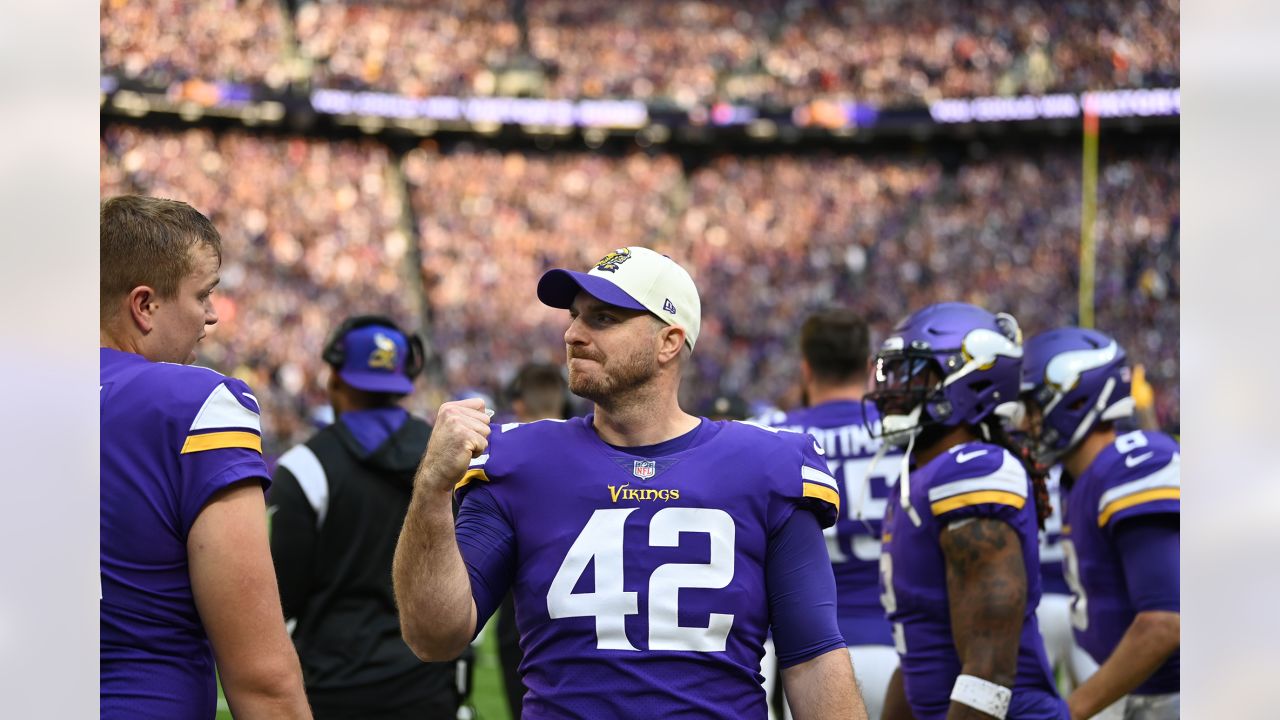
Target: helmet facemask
906 380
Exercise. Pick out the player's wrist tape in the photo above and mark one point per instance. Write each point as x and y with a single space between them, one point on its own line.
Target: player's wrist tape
982 695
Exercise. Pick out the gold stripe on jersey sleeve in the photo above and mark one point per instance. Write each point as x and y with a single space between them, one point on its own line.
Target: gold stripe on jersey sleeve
1129 501
222 441
822 492
978 497
472 474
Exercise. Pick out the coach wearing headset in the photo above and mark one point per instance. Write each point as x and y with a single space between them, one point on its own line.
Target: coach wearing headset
337 503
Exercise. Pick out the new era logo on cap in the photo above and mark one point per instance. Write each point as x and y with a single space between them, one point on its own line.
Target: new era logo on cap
632 277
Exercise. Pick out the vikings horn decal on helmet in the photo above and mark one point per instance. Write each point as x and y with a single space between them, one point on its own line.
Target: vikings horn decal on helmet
1077 378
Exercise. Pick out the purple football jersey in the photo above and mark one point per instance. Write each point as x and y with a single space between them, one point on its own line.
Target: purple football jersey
1051 577
969 480
172 436
640 581
1138 475
854 541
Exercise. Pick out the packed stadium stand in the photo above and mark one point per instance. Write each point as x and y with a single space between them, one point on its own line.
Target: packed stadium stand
683 52
451 233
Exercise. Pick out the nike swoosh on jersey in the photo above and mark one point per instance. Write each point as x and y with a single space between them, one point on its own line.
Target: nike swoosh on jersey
1133 460
818 448
963 457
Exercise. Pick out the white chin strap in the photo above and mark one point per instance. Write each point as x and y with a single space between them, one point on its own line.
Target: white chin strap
894 429
904 481
1100 411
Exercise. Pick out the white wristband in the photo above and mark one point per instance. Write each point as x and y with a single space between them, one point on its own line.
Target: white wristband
982 695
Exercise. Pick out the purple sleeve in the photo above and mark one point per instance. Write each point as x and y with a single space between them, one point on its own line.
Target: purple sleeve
802 591
217 446
487 543
1148 548
205 474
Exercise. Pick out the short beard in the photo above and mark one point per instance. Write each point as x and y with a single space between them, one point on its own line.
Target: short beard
620 377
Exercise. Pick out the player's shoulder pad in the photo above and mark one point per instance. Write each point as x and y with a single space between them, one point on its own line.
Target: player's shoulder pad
774 439
212 410
510 446
977 473
1139 468
799 460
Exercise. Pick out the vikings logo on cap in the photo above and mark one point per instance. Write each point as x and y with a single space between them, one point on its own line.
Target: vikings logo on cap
610 262
384 355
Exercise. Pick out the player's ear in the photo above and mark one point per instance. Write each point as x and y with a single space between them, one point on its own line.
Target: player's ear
806 373
670 342
143 302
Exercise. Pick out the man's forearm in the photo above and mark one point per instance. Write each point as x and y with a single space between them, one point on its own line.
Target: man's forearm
895 699
1146 645
278 697
824 688
432 588
986 588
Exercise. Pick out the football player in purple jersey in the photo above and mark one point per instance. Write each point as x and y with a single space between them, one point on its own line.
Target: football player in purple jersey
1120 522
960 565
186 571
1071 664
650 551
835 348
1054 614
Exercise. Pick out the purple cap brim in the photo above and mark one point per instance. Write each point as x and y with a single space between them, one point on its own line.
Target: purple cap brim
559 287
379 382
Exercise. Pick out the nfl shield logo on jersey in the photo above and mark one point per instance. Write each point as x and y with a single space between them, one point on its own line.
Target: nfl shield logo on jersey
644 469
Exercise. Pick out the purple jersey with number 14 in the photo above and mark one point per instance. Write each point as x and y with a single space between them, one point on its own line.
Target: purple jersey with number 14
971 480
854 541
640 581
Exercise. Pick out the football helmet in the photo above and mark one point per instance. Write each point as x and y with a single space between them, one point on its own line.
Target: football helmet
949 364
1077 378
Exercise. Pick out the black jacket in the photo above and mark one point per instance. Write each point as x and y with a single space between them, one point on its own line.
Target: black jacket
336 512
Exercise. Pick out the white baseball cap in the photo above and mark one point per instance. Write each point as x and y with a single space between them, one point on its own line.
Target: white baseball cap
632 277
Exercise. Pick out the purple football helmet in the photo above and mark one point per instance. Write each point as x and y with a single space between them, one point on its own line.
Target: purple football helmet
949 364
1077 378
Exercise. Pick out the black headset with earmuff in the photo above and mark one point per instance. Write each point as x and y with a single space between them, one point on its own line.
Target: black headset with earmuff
335 351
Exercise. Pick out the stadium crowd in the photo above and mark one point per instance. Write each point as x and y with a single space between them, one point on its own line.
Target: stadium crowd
768 51
415 49
171 41
769 239
310 234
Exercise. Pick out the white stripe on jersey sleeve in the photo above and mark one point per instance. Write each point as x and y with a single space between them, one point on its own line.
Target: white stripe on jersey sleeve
310 474
1010 477
479 462
817 476
222 410
1168 476
755 424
